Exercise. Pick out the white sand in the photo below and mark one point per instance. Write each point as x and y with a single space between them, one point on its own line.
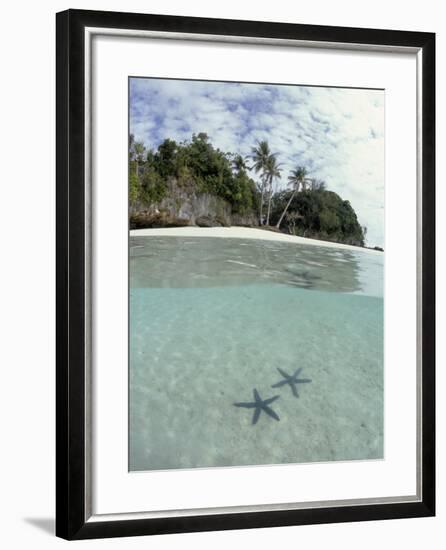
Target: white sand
241 233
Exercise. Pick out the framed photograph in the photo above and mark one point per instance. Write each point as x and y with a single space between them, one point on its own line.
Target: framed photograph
245 274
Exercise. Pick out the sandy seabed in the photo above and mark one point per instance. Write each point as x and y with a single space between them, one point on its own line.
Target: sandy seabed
207 327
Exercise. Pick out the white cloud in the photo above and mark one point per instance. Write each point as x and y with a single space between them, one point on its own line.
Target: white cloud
337 133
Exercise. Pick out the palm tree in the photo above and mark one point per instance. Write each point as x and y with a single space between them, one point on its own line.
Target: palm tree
260 155
297 180
273 171
240 163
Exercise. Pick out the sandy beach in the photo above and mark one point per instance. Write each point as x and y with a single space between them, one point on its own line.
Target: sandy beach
241 233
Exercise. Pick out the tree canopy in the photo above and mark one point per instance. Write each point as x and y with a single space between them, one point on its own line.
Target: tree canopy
308 209
194 164
318 214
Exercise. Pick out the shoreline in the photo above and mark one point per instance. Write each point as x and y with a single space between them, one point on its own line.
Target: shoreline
242 233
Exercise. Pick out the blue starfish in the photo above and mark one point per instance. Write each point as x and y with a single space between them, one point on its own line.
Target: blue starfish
292 380
260 405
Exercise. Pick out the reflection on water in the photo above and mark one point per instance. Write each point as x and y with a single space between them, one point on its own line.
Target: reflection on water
179 262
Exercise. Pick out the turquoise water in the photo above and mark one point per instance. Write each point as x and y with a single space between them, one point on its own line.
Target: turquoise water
211 319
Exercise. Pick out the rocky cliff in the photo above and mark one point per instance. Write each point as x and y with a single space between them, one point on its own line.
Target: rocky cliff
184 206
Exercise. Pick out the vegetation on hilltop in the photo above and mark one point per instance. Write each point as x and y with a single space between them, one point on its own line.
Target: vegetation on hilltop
318 214
195 164
308 209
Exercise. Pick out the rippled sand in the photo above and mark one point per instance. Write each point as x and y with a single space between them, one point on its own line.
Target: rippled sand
211 320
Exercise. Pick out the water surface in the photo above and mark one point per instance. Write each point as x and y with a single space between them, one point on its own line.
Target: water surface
213 318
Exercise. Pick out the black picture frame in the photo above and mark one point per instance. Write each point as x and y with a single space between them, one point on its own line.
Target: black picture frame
72 519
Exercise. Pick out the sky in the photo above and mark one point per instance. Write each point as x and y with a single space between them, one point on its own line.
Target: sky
336 133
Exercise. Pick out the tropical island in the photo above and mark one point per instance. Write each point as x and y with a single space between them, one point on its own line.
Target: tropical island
192 183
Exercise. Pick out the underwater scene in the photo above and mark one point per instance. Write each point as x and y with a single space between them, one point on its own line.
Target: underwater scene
252 351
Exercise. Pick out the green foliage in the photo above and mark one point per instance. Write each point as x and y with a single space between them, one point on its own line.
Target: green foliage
196 164
133 167
184 174
133 187
319 214
209 167
329 221
240 163
136 150
153 186
164 160
244 196
260 155
297 177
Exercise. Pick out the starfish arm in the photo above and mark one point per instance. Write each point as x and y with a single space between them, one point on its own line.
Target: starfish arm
272 413
283 373
303 380
279 384
245 405
297 372
271 399
257 397
256 415
294 390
